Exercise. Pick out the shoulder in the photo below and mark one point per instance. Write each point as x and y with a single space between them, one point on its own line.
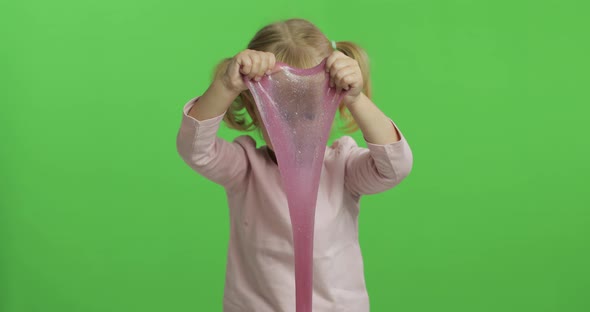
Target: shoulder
344 144
342 148
249 145
246 141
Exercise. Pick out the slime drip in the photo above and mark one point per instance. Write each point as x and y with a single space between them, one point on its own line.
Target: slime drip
297 107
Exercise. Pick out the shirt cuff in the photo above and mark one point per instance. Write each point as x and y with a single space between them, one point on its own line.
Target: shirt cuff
393 159
396 144
211 122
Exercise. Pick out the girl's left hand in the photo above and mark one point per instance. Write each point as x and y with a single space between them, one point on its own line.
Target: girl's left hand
345 74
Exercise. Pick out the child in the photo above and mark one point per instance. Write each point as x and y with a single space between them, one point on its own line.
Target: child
259 272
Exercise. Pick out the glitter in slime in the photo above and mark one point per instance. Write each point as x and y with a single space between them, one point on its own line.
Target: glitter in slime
297 107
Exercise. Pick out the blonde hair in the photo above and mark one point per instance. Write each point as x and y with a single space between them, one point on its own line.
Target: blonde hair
299 43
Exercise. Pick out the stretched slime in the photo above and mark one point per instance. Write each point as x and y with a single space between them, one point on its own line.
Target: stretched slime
297 107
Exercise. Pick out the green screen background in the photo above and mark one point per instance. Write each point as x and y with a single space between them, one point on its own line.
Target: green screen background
99 213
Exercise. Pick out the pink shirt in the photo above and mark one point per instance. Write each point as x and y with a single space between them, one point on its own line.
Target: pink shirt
259 271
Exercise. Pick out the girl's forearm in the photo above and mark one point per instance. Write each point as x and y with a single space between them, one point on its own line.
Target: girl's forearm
374 124
214 102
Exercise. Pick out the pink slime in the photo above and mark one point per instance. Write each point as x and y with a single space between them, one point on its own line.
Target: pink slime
297 107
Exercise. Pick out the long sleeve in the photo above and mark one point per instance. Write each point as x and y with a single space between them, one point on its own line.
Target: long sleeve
220 161
378 167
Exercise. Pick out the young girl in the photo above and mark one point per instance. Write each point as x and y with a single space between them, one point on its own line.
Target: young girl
260 264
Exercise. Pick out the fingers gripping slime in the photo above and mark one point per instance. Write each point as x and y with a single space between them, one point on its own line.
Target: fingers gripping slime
297 107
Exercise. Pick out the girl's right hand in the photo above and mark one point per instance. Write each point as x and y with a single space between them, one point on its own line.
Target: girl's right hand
251 63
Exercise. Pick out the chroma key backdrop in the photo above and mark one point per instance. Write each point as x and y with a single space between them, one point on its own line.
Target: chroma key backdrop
98 212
